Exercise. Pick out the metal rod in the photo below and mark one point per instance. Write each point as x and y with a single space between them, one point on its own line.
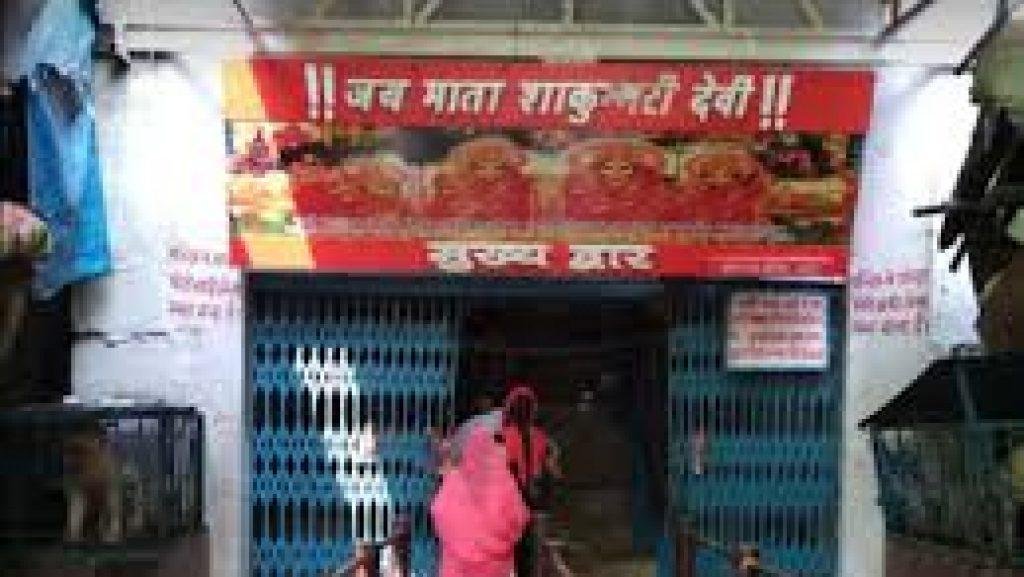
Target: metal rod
408 12
958 258
903 19
1002 196
951 207
931 210
427 11
1002 18
728 14
705 13
686 551
250 26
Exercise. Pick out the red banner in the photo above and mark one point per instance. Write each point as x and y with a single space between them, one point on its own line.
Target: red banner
559 259
687 98
416 166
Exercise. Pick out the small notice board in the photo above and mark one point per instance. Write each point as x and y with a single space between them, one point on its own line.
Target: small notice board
773 331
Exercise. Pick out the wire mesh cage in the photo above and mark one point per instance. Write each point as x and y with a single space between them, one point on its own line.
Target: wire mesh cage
100 477
955 485
949 457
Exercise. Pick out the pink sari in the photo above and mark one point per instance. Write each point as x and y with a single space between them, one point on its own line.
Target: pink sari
478 513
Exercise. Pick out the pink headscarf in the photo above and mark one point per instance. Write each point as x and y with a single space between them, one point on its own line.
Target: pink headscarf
478 513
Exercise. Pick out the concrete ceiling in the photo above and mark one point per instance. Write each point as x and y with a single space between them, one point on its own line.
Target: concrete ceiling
784 14
833 31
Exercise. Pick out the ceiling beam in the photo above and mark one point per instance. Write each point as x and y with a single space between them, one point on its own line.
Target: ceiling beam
811 11
542 40
902 19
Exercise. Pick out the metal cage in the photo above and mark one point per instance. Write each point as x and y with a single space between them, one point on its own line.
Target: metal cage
949 455
111 478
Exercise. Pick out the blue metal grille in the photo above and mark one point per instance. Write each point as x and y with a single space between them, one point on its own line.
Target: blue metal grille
335 362
754 457
343 387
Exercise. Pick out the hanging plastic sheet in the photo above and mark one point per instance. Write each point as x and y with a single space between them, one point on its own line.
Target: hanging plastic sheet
64 171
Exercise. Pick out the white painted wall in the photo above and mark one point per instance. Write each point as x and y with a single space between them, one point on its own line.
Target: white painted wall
920 132
162 142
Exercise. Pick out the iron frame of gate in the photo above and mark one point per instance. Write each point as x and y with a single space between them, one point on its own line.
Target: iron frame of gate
345 509
462 287
777 530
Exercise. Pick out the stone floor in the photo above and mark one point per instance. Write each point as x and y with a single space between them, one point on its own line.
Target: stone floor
594 516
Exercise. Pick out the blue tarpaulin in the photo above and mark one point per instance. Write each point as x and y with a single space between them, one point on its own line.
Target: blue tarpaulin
65 184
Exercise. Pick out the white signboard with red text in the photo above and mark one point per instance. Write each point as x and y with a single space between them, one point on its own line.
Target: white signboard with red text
774 331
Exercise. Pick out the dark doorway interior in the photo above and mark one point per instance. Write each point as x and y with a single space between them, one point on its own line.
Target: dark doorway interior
598 369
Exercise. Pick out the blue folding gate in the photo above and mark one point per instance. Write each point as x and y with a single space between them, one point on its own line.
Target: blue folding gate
343 386
345 379
754 456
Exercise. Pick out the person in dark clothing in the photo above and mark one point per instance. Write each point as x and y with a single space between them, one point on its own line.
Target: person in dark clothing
528 451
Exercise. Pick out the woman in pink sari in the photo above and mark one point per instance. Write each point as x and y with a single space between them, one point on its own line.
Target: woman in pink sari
478 513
